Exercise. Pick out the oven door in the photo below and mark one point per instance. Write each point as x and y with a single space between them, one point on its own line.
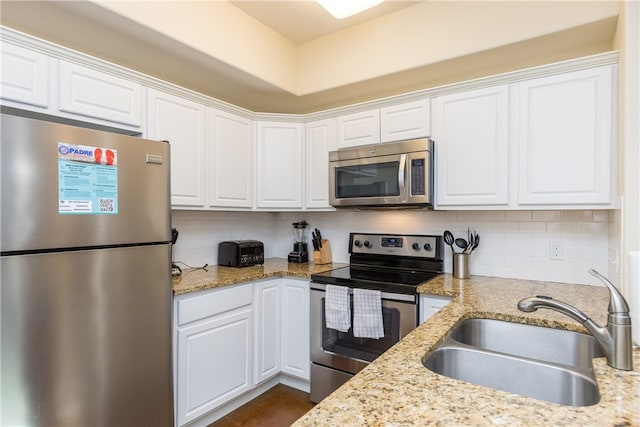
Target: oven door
343 351
368 181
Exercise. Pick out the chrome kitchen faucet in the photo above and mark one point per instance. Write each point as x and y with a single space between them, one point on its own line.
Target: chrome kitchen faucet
614 339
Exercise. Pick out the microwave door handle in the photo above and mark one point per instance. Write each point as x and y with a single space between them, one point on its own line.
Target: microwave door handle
401 175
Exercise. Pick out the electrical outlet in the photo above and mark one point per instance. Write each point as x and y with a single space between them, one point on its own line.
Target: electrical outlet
556 250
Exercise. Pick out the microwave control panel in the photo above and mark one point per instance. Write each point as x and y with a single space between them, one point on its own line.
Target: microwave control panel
418 170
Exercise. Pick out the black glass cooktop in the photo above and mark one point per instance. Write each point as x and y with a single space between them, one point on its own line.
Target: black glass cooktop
387 280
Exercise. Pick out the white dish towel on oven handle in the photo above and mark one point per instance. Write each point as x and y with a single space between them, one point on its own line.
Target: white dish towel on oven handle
337 312
367 314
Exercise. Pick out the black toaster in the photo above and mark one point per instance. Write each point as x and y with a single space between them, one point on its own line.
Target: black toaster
240 253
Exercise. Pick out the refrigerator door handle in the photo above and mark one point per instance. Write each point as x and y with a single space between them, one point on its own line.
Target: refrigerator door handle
152 158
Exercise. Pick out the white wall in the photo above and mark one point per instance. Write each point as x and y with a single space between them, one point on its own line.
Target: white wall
514 244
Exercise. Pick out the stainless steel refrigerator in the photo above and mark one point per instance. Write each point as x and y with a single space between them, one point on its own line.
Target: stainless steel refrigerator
85 277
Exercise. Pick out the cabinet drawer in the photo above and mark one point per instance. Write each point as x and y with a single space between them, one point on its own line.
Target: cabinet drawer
210 303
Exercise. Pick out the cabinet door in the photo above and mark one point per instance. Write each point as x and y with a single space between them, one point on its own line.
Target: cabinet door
232 151
25 76
359 129
320 139
182 123
92 93
279 165
565 138
267 329
471 151
430 304
214 363
295 328
405 121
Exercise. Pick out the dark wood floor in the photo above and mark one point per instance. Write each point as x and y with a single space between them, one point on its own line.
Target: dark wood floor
280 406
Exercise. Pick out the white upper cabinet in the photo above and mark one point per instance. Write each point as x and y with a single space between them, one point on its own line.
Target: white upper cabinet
25 76
279 165
405 121
231 148
399 122
357 129
92 93
320 139
566 139
471 147
182 123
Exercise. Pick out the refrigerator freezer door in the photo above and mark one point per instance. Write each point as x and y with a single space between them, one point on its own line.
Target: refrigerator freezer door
32 177
86 338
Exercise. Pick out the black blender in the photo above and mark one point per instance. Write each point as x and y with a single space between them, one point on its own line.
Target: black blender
299 253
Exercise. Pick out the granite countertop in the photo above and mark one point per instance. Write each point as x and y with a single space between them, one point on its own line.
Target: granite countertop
397 390
215 276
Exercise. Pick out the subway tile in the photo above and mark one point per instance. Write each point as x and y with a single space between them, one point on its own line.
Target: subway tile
592 227
517 216
546 216
561 227
466 216
560 276
505 226
492 216
537 227
513 243
505 272
517 261
531 274
601 216
575 216
533 250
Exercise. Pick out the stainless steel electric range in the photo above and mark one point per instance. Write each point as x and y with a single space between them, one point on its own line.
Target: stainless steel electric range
393 264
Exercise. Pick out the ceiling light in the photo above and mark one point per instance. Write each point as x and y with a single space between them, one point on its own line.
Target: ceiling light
343 8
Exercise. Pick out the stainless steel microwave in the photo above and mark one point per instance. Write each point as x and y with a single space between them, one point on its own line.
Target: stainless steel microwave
382 175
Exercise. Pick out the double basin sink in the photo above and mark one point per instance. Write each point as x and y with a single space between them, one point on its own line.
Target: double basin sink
544 363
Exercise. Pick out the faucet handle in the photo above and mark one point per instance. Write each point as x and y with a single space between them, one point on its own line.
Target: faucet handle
617 303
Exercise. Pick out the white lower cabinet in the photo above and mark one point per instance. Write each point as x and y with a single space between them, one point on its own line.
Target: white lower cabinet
233 340
214 349
430 304
295 328
267 303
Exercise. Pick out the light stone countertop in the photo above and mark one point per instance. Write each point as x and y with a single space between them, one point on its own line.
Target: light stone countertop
397 390
193 280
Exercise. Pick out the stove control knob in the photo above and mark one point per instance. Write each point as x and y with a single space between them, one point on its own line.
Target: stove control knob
427 246
357 243
367 244
416 246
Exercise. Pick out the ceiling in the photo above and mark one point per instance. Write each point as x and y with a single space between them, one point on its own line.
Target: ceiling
305 20
88 27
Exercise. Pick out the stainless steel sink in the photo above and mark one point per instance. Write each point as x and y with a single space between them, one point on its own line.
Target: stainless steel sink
543 363
533 342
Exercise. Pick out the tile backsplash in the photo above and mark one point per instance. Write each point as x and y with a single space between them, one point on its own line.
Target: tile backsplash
514 244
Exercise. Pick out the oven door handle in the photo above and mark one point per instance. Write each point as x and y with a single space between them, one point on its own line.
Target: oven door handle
321 287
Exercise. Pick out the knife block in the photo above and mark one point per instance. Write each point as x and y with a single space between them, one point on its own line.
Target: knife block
323 256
